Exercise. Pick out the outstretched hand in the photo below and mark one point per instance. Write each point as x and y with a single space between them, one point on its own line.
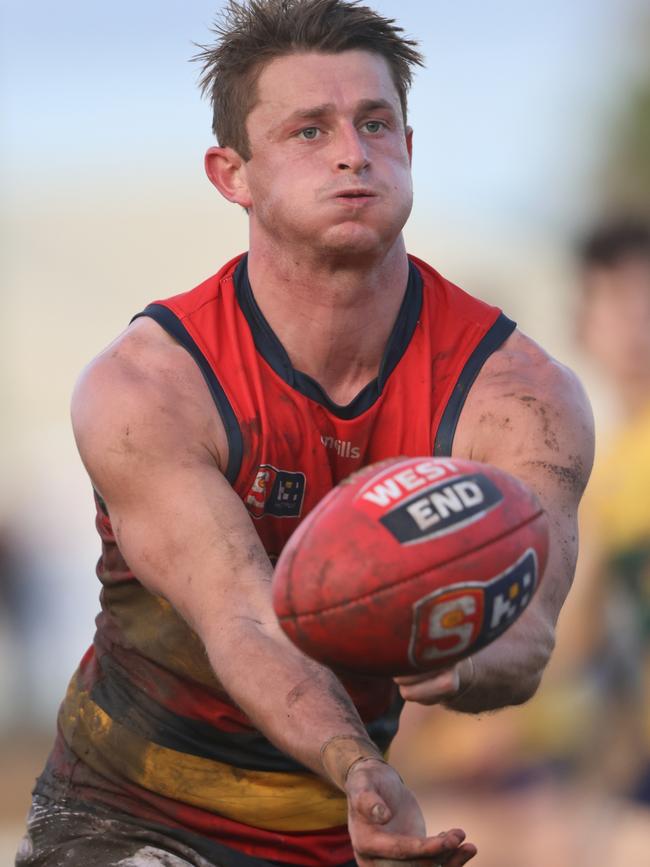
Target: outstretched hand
387 827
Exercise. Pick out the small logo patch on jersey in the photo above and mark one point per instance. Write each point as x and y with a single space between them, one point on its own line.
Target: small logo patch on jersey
442 508
276 492
464 618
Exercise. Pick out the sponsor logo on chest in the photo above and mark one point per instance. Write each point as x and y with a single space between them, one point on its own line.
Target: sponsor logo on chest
343 448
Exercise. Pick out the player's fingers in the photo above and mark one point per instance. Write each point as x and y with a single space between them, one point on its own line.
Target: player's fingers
402 848
461 856
421 676
433 689
418 862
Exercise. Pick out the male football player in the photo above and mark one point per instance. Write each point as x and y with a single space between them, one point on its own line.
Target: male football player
614 328
193 732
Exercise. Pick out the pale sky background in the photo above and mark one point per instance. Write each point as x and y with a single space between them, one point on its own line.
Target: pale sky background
105 207
507 115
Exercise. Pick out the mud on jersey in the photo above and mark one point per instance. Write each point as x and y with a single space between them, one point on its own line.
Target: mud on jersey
145 724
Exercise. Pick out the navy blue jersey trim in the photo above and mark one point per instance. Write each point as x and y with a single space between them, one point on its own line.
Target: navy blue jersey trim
129 706
491 341
275 355
173 326
101 502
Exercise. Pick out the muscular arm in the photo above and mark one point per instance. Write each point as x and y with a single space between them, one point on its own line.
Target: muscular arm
153 444
530 416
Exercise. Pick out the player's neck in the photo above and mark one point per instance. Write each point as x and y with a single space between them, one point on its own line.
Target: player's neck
333 318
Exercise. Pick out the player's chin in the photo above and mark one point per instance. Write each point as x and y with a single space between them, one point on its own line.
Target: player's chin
356 240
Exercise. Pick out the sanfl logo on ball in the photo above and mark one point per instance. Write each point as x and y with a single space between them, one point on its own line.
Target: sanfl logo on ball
463 618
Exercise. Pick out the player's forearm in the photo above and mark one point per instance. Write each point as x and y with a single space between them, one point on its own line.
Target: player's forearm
298 704
509 671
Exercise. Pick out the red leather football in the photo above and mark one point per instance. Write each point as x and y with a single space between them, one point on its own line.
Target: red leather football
411 565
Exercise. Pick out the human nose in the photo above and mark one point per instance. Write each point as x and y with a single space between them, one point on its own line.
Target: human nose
351 153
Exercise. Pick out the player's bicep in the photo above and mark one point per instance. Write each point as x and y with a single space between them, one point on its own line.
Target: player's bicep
179 525
190 540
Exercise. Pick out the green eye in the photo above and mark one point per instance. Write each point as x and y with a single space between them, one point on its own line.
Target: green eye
310 133
374 126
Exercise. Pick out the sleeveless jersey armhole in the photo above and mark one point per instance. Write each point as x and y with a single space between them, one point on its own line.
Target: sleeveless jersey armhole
168 320
490 342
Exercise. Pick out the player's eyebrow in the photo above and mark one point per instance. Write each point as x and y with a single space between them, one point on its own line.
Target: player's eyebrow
374 104
313 113
317 112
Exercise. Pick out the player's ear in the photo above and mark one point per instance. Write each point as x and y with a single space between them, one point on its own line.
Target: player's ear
227 171
409 142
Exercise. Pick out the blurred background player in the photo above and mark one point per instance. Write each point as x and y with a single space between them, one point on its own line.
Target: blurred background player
614 329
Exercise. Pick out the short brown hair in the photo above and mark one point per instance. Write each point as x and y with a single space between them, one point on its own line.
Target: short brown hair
615 241
254 32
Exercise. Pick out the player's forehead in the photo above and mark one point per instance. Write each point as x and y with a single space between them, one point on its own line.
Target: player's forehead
304 81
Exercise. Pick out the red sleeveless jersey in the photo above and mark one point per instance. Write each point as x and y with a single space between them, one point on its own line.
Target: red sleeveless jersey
145 725
289 443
